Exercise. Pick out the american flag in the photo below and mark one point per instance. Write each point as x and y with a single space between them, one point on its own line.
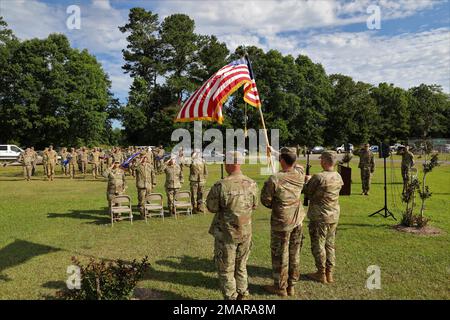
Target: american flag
206 102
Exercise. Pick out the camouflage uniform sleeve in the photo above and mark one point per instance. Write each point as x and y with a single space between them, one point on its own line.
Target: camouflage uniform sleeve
267 193
205 170
213 199
312 185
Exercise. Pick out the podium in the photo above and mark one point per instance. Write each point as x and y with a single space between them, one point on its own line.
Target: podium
346 174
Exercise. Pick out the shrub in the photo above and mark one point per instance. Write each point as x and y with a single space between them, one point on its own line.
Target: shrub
106 281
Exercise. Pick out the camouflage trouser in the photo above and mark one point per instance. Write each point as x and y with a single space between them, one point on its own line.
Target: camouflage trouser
405 173
365 179
285 247
231 262
50 170
197 198
142 194
72 168
323 236
44 165
170 198
83 167
27 171
33 170
95 170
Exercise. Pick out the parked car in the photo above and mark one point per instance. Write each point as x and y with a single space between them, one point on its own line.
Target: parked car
9 152
374 148
342 148
317 150
396 146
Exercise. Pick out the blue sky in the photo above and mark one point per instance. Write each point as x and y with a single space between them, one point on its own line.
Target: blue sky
411 47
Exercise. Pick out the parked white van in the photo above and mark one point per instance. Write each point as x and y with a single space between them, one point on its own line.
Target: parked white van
9 152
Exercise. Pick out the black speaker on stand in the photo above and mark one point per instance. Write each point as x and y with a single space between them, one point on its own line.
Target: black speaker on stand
384 152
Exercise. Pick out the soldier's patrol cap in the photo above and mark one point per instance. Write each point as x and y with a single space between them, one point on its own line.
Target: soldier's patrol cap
328 155
234 157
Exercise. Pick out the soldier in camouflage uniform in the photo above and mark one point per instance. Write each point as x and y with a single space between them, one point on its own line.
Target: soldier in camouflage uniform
233 200
73 162
322 190
281 193
160 161
116 181
95 155
174 180
145 180
34 161
367 167
198 174
45 161
26 158
52 158
101 160
407 164
63 155
84 158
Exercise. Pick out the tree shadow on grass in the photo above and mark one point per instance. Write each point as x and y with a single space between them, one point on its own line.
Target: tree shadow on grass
20 251
99 217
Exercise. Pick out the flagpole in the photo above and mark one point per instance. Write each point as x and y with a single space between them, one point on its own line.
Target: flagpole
267 139
262 118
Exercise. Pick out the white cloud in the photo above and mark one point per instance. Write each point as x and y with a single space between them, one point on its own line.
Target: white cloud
405 60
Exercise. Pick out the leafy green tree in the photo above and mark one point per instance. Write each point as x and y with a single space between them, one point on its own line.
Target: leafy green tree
143 53
52 93
392 105
428 105
352 115
179 45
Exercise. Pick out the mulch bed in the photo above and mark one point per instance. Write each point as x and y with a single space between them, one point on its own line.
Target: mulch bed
425 231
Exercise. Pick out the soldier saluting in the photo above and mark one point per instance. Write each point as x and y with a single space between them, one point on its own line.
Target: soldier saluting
233 200
174 180
145 180
198 174
367 167
116 181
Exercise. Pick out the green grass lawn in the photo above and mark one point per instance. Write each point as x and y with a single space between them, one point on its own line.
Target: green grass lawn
43 224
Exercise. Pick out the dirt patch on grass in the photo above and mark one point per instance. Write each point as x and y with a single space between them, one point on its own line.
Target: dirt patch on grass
425 231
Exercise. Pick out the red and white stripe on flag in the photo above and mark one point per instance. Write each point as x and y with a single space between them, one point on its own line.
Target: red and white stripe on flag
206 102
251 95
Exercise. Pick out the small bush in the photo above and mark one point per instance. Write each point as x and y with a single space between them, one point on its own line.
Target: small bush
106 281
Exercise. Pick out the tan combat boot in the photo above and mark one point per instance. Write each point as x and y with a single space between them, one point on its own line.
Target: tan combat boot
317 276
243 297
329 275
291 291
275 290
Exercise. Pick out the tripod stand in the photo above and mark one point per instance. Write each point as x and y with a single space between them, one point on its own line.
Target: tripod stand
384 211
